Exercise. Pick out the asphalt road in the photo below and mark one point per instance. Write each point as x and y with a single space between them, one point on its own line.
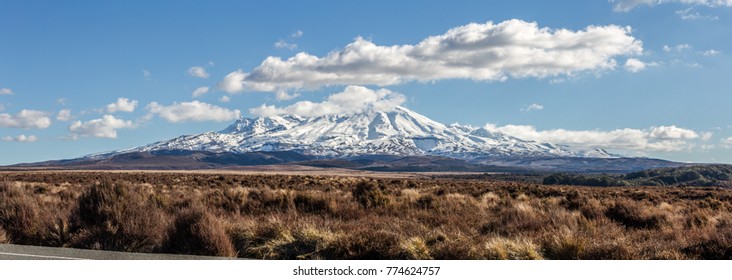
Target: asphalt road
23 252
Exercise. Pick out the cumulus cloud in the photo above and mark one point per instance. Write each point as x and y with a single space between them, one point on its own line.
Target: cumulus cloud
353 99
20 138
200 91
634 65
533 107
192 111
225 99
661 138
627 5
233 82
64 115
283 95
25 119
198 72
5 91
476 51
105 127
122 105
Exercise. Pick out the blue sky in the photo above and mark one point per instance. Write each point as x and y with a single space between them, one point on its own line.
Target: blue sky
639 77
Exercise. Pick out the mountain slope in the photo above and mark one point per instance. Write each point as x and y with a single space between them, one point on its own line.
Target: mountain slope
400 132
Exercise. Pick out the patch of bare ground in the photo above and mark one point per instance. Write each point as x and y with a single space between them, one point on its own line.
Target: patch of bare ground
288 216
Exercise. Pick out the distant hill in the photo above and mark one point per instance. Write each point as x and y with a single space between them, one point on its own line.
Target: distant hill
694 175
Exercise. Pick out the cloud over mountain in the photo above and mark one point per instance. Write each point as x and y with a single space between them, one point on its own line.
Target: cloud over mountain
476 51
353 99
192 111
659 138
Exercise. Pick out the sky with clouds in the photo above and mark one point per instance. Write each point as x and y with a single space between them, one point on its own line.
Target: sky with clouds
638 77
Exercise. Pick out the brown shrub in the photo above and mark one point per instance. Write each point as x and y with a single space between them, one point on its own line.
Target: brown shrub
307 202
716 247
197 232
19 214
633 215
3 236
118 217
369 244
369 195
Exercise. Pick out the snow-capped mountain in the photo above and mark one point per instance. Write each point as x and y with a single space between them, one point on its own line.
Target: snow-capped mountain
399 132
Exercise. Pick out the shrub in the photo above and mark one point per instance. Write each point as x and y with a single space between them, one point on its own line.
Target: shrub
118 217
369 195
3 236
631 214
314 203
19 215
197 232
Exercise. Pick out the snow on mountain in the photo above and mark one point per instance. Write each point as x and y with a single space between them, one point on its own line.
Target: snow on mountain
397 132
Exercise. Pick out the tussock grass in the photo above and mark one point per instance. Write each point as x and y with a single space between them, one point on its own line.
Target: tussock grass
321 217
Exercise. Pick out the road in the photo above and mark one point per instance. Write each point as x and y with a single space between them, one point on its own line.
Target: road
23 252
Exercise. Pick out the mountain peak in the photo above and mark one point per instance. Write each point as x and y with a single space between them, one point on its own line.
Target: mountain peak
399 131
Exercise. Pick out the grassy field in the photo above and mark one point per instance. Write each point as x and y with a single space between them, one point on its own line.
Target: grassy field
342 217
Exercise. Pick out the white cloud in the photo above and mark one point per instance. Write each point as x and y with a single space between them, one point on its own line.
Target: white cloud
25 119
480 52
727 142
4 91
192 111
122 105
225 99
61 101
627 5
281 44
233 82
661 138
200 91
691 14
678 48
283 95
106 127
198 72
353 99
634 65
533 107
711 52
20 138
146 74
64 115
